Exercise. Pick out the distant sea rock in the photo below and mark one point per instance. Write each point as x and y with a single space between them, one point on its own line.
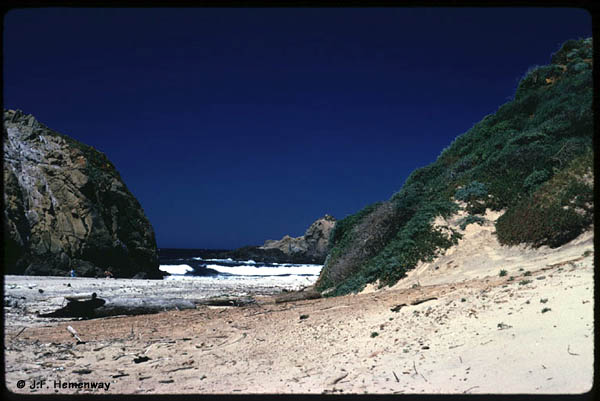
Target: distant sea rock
66 207
313 245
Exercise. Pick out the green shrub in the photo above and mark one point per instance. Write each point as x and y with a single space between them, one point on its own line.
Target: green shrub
519 159
465 221
374 334
557 212
552 226
503 273
476 207
475 190
524 282
534 179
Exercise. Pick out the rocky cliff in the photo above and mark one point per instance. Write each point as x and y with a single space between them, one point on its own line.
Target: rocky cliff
66 207
313 245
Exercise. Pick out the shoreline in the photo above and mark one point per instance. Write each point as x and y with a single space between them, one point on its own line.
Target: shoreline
482 335
24 291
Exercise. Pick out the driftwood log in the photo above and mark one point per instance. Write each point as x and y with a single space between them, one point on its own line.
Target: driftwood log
92 306
226 301
308 293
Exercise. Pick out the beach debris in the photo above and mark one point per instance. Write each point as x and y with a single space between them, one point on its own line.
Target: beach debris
74 334
503 326
417 372
569 351
120 374
396 376
422 300
20 331
227 301
339 378
141 359
544 310
83 371
469 389
91 306
302 317
40 291
397 307
181 368
309 293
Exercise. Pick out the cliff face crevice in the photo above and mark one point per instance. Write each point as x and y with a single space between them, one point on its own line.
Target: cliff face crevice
66 207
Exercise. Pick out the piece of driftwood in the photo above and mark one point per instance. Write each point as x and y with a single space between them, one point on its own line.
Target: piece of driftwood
298 296
420 301
93 307
226 301
397 307
339 378
74 334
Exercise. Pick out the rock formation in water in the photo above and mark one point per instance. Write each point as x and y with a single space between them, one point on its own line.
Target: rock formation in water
313 245
66 207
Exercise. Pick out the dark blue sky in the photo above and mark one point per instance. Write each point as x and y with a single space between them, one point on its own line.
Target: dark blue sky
232 126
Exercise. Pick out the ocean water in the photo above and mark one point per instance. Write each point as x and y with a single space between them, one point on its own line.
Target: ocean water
240 272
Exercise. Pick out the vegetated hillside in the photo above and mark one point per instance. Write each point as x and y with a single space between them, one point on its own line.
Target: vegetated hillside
533 159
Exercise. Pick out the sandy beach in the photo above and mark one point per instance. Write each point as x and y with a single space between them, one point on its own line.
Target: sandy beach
454 329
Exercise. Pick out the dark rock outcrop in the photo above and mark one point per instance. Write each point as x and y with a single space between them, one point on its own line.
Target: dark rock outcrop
66 207
313 245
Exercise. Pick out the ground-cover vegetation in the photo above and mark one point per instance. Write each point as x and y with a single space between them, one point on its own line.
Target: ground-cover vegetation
532 158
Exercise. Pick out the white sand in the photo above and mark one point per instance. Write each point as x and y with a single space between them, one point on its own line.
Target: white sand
483 334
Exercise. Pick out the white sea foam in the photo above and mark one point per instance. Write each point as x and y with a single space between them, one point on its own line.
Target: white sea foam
250 270
214 260
176 269
249 282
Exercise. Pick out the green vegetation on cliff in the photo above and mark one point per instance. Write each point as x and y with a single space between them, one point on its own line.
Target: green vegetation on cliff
532 158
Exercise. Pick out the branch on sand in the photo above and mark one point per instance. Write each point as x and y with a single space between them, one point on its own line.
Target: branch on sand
91 306
74 334
339 378
415 368
308 293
